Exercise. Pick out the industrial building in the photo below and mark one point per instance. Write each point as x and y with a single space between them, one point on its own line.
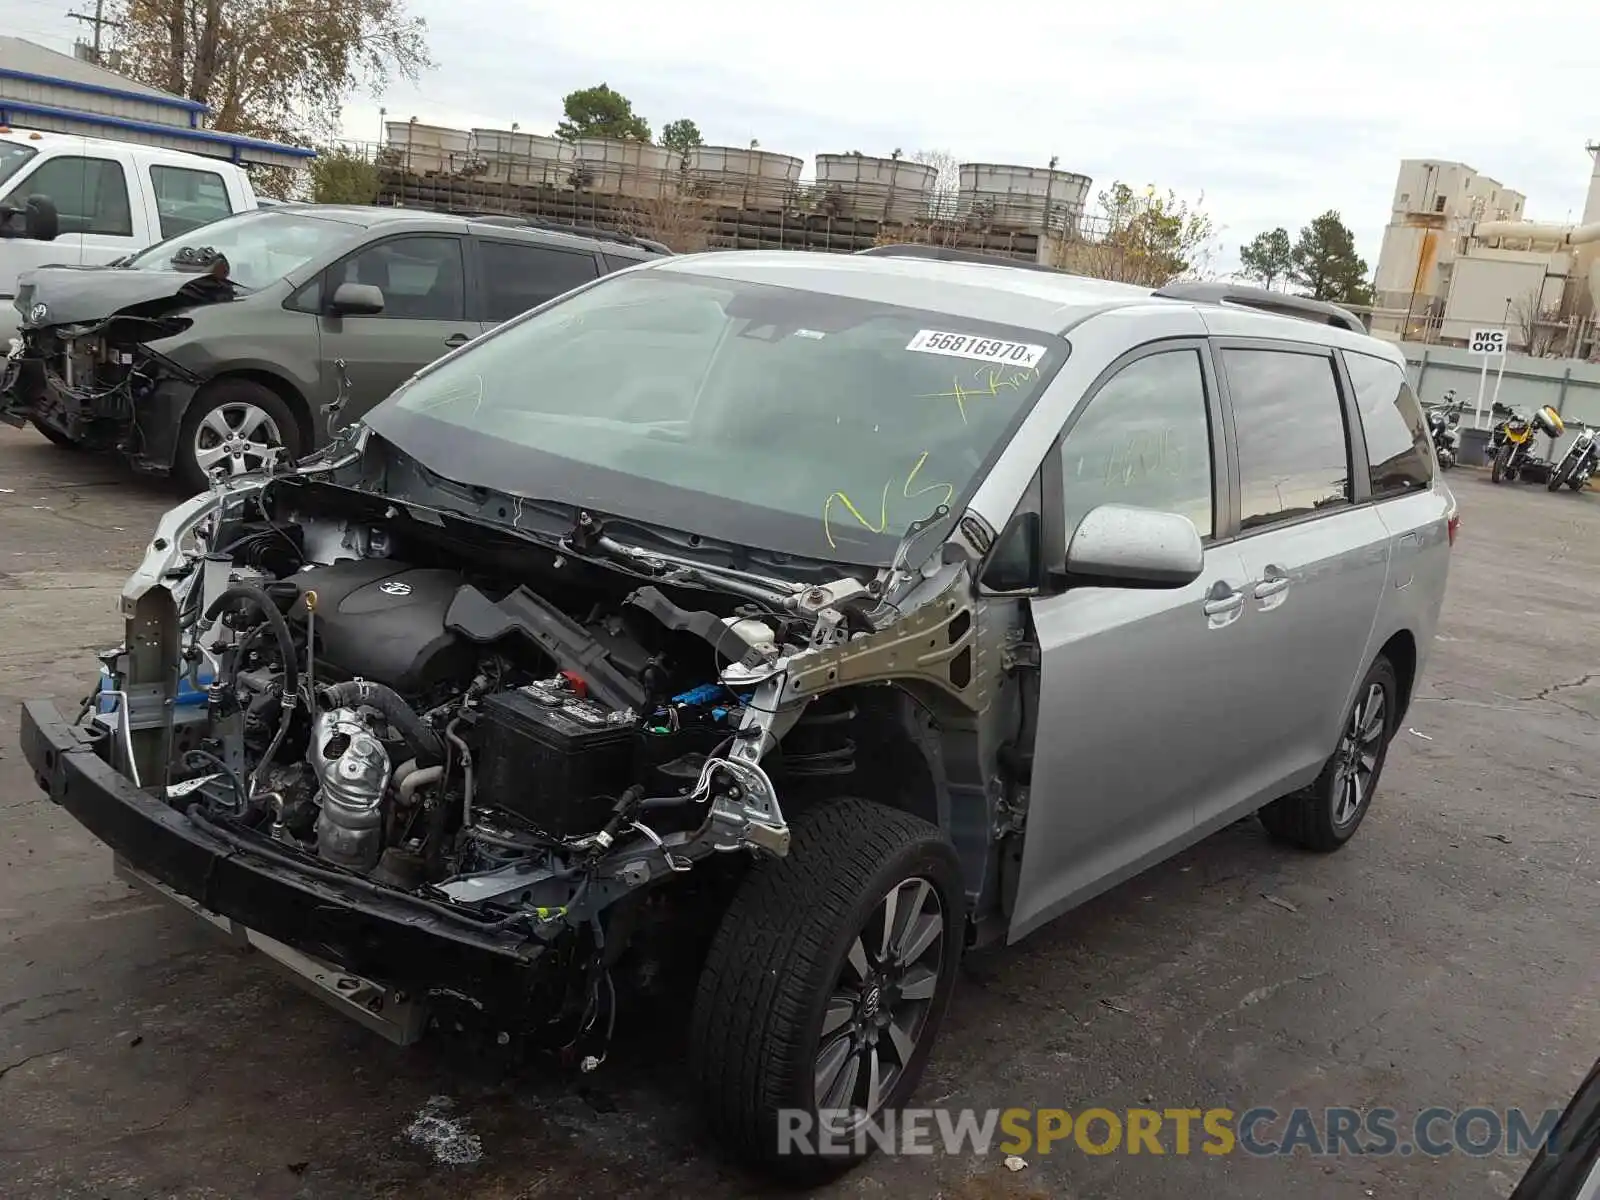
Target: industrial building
57 93
1457 255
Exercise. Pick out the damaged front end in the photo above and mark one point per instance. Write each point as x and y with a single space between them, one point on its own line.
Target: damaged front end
432 764
86 369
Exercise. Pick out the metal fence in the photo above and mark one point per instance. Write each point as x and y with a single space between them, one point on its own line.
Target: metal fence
1569 386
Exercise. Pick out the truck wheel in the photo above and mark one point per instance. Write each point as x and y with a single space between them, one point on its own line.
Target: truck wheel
824 988
1326 815
233 424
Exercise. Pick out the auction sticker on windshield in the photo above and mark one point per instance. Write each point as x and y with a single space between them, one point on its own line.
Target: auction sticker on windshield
965 345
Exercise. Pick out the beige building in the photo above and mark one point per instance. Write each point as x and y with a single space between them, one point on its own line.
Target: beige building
1457 255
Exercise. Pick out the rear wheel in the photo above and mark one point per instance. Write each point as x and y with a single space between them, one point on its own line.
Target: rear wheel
1326 815
234 424
825 986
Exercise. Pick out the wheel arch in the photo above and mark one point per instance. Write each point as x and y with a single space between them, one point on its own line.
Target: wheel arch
1401 651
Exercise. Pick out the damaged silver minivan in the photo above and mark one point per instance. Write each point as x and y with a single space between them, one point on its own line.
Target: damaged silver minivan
799 619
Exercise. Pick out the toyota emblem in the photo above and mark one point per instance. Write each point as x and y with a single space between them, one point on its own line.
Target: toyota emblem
393 587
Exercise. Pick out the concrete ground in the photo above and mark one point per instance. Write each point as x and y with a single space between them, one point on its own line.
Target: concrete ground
1447 957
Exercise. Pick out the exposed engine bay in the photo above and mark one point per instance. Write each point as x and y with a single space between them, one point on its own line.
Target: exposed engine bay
509 735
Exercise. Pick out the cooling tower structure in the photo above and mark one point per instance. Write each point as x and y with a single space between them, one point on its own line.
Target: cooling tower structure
879 189
1024 198
737 178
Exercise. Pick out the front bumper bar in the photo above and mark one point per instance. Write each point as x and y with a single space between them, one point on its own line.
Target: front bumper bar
369 931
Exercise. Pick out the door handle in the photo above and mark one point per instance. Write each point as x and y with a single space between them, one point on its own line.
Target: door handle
1272 582
1223 600
456 339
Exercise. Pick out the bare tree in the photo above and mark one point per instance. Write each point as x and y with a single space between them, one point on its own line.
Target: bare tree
945 200
1530 324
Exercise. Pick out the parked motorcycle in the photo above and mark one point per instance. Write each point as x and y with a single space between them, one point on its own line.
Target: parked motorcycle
1442 424
1581 461
1516 454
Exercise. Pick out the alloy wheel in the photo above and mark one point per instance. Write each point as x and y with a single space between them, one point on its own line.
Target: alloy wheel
1358 755
878 1009
237 435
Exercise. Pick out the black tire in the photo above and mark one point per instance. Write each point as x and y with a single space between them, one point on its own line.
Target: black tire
1498 470
1312 818
781 955
56 438
1557 478
230 395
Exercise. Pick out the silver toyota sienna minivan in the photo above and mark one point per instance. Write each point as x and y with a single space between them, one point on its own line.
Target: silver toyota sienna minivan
792 622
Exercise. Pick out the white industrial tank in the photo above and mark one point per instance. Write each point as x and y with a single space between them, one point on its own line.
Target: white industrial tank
885 189
623 167
429 149
1017 197
523 157
743 178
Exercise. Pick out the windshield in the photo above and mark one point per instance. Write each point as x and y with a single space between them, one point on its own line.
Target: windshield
261 245
12 156
805 423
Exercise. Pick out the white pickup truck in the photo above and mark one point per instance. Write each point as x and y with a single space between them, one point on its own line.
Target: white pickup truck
111 199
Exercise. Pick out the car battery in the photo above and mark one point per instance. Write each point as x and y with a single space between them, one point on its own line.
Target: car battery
554 758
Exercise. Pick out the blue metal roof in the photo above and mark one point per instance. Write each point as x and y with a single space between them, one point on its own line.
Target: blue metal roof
234 143
161 99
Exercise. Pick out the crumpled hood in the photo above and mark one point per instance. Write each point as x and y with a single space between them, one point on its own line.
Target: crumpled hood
72 295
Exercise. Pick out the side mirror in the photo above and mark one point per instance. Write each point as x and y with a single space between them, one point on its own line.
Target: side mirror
1119 546
40 221
356 300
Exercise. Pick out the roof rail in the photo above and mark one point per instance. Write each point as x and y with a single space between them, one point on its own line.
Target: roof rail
951 254
1280 303
514 221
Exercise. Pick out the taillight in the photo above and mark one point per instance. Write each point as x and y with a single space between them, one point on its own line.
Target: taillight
1452 525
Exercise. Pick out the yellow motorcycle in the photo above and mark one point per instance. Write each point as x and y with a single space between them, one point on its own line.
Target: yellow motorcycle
1515 455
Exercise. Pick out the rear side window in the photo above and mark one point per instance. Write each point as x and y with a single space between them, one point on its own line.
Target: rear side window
90 194
187 199
615 262
1398 453
1289 424
518 276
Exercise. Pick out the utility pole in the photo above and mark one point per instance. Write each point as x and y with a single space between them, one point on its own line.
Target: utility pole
99 21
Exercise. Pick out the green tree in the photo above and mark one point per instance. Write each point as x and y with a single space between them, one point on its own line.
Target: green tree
1268 257
601 112
1325 262
681 136
1145 238
340 175
270 68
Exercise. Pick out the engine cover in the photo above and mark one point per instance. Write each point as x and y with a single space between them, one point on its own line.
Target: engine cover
383 620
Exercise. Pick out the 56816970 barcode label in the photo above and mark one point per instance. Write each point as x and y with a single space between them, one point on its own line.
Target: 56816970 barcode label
983 349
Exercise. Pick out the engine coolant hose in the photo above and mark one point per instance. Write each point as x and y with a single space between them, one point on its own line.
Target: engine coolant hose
363 693
274 619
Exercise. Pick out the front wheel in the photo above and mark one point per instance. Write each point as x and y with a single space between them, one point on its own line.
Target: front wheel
234 424
1501 461
1326 815
825 986
1558 476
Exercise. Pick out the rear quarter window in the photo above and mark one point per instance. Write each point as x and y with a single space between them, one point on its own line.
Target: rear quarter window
1399 457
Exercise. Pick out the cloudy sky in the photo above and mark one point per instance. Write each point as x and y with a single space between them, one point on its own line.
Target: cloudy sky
1273 111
